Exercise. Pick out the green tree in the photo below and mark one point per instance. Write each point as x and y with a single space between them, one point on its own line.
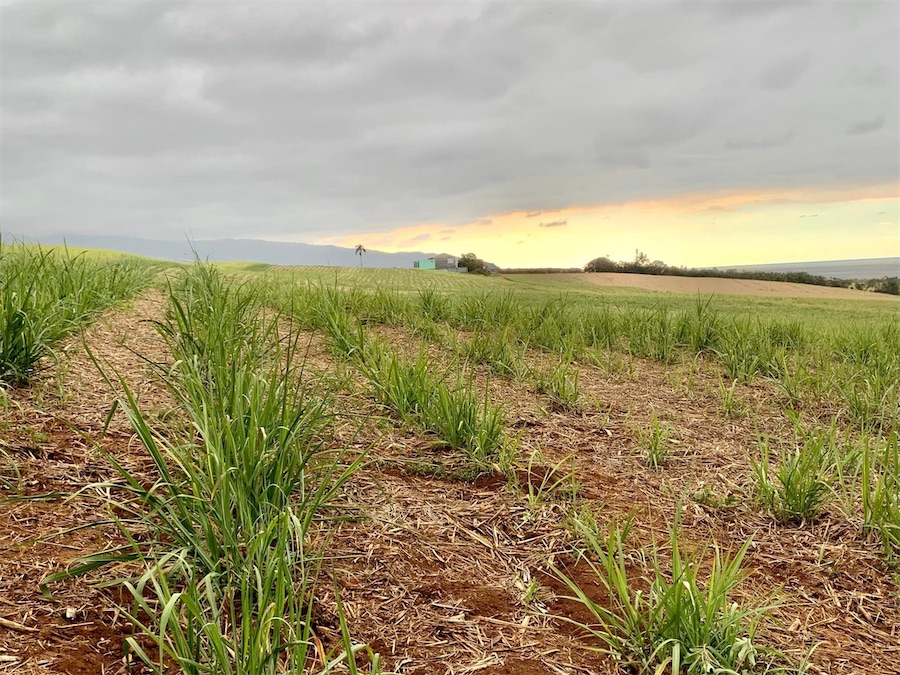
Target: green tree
601 264
474 264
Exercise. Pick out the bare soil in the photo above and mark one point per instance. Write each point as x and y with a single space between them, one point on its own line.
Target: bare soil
437 577
720 286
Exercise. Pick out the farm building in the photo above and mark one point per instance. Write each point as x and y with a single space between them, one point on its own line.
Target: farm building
440 262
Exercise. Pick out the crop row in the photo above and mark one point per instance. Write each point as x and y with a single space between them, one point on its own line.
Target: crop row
793 484
45 295
688 623
855 364
224 570
220 546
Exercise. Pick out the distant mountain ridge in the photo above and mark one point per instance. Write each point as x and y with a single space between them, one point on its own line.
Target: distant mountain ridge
861 268
234 250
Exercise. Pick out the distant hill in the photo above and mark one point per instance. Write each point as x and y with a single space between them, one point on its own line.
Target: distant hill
234 250
865 268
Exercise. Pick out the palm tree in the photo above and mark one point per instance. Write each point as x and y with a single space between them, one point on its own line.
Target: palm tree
360 249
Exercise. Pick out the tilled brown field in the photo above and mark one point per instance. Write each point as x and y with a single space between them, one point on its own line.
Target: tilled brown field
435 576
710 285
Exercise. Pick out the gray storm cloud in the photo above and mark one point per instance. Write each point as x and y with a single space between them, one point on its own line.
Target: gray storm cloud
300 120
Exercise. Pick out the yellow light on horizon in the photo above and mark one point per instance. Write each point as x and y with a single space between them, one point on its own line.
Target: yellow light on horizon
693 230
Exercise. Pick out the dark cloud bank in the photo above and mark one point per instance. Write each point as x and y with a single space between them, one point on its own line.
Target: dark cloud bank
298 120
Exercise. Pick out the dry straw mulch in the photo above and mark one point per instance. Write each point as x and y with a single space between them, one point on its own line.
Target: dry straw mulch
436 576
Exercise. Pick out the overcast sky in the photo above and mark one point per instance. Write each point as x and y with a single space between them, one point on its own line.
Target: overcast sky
352 121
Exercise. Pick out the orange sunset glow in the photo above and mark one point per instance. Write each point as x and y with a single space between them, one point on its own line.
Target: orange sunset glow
692 230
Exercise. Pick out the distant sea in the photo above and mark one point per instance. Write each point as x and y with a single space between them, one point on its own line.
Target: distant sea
866 268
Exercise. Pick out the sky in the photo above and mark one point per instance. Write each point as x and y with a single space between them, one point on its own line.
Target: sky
533 134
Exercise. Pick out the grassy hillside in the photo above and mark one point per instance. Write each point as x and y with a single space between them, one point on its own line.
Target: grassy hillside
575 289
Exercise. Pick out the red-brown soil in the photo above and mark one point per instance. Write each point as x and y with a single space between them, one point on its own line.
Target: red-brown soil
721 286
436 577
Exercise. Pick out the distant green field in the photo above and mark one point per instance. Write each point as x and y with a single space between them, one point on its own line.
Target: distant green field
73 251
47 293
533 289
536 289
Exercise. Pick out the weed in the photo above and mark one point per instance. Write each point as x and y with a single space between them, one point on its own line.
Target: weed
560 384
881 495
655 442
686 622
556 484
534 596
802 481
10 476
730 405
706 496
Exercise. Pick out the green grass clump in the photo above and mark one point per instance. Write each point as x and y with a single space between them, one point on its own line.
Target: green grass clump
404 386
655 443
47 294
433 305
498 350
881 495
346 335
731 406
652 334
802 482
484 309
699 328
228 572
554 326
454 412
560 384
465 421
673 615
540 485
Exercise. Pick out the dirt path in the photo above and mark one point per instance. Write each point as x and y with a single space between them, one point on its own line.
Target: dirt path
720 286
52 433
438 580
